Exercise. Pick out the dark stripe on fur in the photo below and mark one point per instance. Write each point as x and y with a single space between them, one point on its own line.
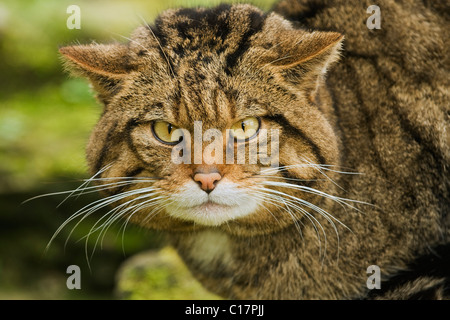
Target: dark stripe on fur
255 26
407 126
435 264
134 172
231 96
308 10
131 124
197 19
281 120
130 174
162 39
289 178
177 102
215 103
106 146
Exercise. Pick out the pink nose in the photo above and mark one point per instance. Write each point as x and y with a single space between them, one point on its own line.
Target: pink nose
207 180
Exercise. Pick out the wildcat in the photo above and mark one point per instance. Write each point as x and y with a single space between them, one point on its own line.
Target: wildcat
364 153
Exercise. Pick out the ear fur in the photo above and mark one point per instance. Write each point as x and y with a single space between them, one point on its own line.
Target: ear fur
104 65
297 55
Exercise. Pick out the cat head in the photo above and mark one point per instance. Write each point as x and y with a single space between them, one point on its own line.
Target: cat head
198 73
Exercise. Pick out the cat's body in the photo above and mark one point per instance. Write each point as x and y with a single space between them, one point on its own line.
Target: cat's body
383 113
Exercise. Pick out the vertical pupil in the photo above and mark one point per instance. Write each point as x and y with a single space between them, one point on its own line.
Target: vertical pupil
243 126
169 128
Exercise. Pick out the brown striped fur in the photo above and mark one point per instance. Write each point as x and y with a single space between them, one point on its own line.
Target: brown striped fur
383 111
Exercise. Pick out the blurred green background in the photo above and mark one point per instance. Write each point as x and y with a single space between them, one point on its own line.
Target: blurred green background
45 120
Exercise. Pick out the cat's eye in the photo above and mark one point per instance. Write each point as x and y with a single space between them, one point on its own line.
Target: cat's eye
245 129
164 132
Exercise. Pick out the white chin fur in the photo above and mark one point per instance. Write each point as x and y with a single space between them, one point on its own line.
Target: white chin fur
226 202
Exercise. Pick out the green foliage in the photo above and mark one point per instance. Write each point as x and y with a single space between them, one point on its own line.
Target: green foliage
44 133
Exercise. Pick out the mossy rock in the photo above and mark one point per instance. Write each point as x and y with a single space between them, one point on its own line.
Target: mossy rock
159 275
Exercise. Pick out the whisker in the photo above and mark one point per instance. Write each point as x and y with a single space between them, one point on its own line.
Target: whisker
92 189
113 214
159 44
160 208
314 222
342 201
310 217
99 204
304 202
319 168
126 178
296 203
142 206
92 207
86 183
288 179
327 167
86 190
264 197
114 218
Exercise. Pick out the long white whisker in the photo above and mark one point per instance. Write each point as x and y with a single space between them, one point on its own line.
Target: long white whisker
284 178
80 190
151 214
311 218
134 208
147 204
268 198
320 169
99 204
87 182
114 215
324 213
340 200
159 44
89 209
327 167
262 196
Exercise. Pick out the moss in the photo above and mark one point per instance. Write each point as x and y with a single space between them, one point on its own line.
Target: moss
159 275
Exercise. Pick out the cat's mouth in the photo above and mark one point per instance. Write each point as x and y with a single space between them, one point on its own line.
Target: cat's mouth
225 203
209 206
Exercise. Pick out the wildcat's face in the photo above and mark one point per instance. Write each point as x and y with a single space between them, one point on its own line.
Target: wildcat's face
232 69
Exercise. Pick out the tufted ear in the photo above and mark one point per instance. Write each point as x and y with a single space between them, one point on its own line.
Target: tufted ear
310 49
104 65
299 56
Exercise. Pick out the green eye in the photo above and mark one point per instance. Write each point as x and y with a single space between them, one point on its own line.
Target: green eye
164 132
246 128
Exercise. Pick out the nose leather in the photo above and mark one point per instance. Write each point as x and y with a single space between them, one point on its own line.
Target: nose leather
207 181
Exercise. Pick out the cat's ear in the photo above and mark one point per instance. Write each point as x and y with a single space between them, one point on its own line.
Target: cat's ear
311 51
104 65
298 55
